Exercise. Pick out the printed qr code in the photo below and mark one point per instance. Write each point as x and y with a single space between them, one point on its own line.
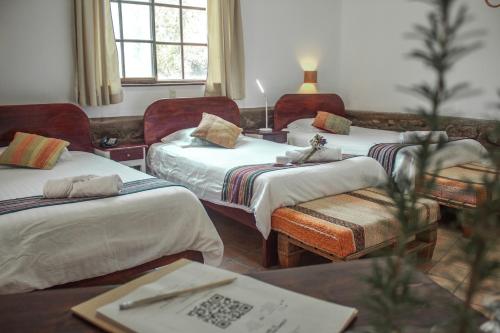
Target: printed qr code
220 311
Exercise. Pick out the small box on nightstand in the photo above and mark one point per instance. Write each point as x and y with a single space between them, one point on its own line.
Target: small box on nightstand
132 155
274 136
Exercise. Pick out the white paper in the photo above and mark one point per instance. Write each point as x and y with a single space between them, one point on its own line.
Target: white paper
246 305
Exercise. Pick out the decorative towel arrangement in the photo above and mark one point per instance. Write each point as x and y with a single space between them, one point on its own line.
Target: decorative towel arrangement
19 204
83 187
239 181
418 137
327 154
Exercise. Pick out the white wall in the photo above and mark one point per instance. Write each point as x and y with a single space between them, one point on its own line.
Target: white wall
372 61
36 54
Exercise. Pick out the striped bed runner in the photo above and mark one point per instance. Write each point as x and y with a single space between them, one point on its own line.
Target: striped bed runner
386 153
347 223
19 204
239 181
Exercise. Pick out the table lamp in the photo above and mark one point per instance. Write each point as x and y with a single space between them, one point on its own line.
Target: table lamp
266 129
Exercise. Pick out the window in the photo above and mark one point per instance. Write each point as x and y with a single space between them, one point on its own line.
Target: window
161 40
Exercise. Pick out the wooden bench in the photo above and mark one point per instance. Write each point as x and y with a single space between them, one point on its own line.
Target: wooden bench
349 226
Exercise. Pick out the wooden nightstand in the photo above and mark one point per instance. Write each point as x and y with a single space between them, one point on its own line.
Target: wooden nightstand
274 136
132 155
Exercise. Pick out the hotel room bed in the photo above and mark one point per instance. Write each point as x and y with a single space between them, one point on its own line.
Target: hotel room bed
53 245
401 161
204 169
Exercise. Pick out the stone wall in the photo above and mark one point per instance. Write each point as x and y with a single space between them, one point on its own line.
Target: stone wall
130 129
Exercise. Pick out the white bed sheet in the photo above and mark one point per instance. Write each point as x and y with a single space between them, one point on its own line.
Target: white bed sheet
202 170
360 140
47 246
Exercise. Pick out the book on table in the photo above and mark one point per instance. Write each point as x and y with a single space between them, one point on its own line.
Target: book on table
245 305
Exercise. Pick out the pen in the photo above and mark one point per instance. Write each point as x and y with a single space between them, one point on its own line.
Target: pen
163 297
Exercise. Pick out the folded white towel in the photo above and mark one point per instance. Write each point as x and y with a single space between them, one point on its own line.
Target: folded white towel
327 154
416 137
97 187
83 186
61 188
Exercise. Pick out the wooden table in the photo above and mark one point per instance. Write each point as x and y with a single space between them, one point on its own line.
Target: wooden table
48 311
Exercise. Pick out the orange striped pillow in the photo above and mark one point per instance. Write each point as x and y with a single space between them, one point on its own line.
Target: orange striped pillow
33 151
332 123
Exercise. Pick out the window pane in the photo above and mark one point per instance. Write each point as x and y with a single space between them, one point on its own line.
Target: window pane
195 62
168 2
115 16
138 60
136 21
169 62
194 25
119 49
167 21
195 3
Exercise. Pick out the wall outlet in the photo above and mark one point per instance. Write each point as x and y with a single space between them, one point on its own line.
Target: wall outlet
172 93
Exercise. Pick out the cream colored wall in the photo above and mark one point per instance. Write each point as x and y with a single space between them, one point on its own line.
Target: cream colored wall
373 64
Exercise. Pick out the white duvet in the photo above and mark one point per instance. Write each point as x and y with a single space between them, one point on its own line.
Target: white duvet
202 170
360 140
47 246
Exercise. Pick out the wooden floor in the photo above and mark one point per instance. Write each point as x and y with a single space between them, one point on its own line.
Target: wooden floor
242 255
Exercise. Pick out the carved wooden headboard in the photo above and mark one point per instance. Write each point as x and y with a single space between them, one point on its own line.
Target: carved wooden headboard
298 106
167 116
62 121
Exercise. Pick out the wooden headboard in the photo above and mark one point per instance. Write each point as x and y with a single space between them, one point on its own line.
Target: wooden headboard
299 106
62 121
167 116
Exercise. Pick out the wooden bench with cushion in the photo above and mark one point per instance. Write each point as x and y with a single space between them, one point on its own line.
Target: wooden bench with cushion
462 186
349 226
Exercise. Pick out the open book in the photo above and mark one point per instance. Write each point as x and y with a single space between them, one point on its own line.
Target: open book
246 305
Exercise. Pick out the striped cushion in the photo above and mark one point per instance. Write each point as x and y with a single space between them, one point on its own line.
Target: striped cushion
33 151
217 131
332 123
347 223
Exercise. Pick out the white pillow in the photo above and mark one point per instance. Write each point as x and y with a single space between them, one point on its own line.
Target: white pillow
304 125
65 156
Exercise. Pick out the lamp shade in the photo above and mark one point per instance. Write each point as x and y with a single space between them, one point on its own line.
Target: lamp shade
310 76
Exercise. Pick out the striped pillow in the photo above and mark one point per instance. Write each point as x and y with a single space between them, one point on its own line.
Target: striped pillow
33 151
332 123
217 131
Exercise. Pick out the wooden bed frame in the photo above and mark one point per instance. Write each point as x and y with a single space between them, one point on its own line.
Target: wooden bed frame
69 122
167 116
292 107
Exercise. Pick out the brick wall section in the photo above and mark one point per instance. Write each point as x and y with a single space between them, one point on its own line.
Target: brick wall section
130 129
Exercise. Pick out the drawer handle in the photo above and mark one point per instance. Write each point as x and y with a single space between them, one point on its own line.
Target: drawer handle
128 154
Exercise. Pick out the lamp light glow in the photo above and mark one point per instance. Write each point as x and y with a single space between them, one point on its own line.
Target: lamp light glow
261 88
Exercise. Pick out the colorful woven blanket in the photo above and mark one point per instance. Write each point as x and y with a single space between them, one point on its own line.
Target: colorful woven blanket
19 204
238 182
386 153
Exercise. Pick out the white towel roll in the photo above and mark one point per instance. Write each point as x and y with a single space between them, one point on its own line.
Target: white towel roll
97 187
417 137
327 154
61 188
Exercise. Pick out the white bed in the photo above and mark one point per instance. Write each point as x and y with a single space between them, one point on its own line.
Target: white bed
48 246
202 170
360 140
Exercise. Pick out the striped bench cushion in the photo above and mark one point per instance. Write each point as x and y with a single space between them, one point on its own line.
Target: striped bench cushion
462 185
346 223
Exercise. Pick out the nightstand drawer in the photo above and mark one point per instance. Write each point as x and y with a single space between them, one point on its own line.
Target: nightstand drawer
127 154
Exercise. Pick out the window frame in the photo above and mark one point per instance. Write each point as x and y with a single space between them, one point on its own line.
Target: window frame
146 81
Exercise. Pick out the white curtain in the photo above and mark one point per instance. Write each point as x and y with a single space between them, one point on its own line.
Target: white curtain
226 64
98 77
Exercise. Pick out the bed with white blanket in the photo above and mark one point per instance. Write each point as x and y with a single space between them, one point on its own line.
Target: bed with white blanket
203 169
45 246
295 114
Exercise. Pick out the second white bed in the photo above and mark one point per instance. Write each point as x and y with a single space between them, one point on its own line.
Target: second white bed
202 169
